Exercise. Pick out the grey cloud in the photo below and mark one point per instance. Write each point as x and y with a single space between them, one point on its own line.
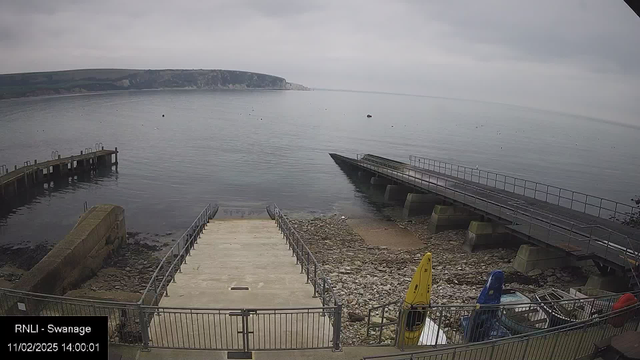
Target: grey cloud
572 56
282 8
599 34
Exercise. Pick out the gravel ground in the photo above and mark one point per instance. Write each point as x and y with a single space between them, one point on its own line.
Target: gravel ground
365 275
132 266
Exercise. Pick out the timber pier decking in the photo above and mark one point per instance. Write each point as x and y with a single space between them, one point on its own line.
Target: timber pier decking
23 178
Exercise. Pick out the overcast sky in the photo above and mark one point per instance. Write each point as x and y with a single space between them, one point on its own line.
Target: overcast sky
573 56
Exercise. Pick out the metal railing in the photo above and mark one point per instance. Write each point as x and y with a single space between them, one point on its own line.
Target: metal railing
230 329
458 324
569 341
242 330
574 200
172 262
54 156
322 286
189 328
558 231
570 199
124 318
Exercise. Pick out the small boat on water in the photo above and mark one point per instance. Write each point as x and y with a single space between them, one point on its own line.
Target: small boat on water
521 315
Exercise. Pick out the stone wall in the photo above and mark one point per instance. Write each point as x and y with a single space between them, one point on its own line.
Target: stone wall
80 254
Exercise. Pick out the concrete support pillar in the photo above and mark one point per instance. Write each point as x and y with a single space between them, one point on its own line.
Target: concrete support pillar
39 175
613 283
395 193
364 175
419 204
380 181
484 235
57 170
104 160
531 257
451 218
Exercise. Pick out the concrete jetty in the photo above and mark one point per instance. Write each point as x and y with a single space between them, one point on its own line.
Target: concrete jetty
566 225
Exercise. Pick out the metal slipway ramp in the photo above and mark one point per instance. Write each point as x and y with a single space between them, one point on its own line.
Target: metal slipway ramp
241 289
539 214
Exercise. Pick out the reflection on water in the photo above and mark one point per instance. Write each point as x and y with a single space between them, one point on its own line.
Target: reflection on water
46 190
247 149
40 200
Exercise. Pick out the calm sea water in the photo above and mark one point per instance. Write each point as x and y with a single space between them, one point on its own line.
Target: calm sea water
245 149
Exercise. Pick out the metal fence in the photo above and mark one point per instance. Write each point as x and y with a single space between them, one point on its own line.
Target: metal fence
124 318
570 341
189 328
234 329
322 286
242 330
574 200
459 324
246 329
175 257
308 264
573 237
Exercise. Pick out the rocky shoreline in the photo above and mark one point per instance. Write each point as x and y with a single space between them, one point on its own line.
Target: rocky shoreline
123 276
365 276
131 267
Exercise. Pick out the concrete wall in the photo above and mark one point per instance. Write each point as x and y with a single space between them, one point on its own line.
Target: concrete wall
80 254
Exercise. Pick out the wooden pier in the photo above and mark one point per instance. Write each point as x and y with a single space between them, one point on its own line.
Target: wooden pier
23 178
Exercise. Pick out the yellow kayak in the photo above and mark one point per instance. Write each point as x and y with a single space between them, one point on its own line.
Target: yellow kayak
418 294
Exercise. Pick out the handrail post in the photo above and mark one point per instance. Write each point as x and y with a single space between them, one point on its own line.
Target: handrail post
315 279
337 325
308 264
438 328
324 288
402 322
143 328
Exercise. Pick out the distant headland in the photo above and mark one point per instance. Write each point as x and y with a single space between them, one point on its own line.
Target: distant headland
92 80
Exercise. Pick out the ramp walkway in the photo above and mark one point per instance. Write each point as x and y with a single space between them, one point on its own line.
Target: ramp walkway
241 289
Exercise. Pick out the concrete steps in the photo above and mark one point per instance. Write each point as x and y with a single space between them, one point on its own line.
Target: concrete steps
240 253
